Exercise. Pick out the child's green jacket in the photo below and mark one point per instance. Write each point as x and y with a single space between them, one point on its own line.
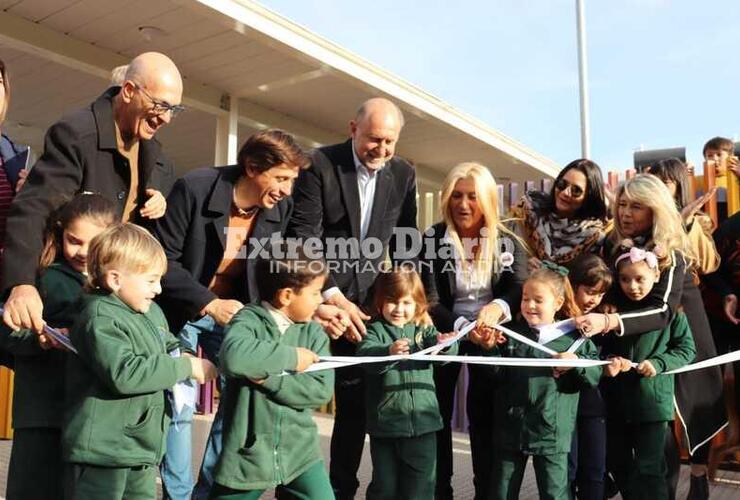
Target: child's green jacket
269 437
534 411
401 400
634 398
116 408
38 386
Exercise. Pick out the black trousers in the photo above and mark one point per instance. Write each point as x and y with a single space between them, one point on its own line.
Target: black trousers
587 458
479 406
348 437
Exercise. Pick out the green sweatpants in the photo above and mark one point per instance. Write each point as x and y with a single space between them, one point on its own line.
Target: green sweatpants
36 469
636 457
311 485
90 482
403 467
551 472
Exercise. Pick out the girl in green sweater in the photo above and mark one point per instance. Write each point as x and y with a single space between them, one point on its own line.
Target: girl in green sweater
35 469
640 401
401 402
535 408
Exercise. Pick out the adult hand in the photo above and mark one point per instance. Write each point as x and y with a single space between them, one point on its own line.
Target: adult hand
611 196
485 337
222 310
202 370
733 164
22 174
305 358
356 329
489 315
646 369
730 309
533 263
24 309
400 346
591 324
688 212
333 320
155 206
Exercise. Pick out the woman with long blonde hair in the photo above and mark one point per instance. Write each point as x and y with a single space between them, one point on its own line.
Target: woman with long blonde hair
646 216
473 269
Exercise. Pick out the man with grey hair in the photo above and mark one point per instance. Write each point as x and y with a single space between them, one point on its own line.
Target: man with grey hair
356 190
106 148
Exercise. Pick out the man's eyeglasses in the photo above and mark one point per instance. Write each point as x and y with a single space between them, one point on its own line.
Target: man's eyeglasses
575 191
161 107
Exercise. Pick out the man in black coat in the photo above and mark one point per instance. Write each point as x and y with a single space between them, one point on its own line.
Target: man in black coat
106 148
355 191
217 220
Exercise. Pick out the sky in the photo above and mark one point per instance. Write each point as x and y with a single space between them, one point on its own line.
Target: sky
662 73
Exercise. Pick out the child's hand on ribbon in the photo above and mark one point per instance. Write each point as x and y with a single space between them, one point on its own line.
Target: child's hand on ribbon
646 369
305 358
400 346
444 337
46 342
556 372
202 370
616 366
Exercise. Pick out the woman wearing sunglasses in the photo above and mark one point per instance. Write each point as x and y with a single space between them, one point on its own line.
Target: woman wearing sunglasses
569 220
559 226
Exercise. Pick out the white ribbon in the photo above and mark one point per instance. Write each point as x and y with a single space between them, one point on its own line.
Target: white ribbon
54 334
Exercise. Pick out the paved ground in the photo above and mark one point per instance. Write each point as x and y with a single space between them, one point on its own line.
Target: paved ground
462 480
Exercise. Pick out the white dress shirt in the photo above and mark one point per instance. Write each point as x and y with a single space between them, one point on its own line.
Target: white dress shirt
366 181
471 292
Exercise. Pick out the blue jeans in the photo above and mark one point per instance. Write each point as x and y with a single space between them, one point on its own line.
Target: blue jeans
176 469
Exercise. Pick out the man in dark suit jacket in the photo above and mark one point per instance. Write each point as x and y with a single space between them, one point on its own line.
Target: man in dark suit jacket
216 218
355 190
107 148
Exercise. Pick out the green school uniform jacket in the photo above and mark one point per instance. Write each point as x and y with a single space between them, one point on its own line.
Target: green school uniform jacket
116 408
269 436
38 394
401 400
635 398
535 413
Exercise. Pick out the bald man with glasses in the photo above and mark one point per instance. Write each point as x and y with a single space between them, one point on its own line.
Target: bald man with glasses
106 148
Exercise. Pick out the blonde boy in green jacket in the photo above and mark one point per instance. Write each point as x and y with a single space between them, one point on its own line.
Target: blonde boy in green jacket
116 407
270 439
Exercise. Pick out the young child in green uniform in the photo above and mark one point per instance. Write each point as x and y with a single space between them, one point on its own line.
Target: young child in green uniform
591 279
640 401
35 469
402 410
535 408
270 439
117 409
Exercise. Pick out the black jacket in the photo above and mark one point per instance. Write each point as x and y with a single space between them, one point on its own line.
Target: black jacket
80 154
327 205
438 276
192 234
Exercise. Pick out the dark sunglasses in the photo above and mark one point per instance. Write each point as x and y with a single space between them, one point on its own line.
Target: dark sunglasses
575 191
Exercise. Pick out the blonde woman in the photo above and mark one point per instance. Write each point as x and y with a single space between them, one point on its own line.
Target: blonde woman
473 269
646 214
